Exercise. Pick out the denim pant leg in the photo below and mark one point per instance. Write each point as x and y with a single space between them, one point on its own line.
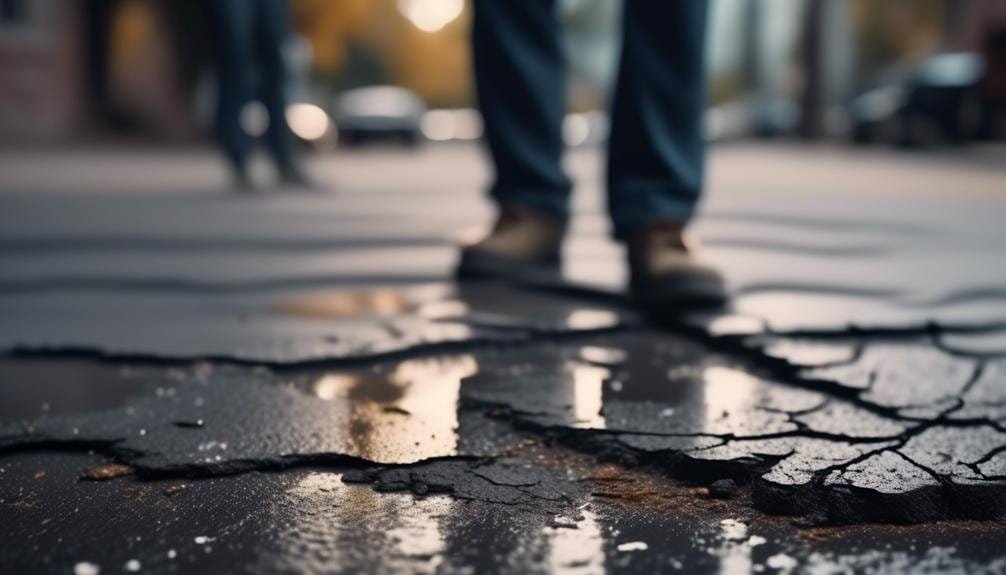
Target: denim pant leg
656 151
521 92
273 28
234 26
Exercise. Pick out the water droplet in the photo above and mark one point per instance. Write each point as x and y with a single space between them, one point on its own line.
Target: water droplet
781 561
86 568
733 530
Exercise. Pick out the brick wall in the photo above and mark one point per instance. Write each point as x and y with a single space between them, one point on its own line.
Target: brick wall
42 62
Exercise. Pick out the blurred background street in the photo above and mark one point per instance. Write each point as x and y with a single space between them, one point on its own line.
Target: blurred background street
908 72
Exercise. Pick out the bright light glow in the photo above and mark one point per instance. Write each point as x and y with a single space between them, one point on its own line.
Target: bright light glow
728 392
333 386
307 121
254 119
588 382
591 319
602 355
579 550
438 125
575 129
431 15
389 412
342 304
442 309
444 125
467 124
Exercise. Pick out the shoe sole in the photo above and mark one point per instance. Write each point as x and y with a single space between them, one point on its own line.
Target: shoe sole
674 297
486 266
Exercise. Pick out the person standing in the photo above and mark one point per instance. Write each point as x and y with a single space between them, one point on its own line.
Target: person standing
250 38
655 152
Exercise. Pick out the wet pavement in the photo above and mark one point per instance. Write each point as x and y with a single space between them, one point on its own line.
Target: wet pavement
195 383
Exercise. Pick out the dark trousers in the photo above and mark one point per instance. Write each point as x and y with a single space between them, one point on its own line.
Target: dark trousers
250 35
656 149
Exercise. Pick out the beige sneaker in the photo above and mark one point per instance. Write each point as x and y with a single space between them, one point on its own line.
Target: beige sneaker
522 244
665 278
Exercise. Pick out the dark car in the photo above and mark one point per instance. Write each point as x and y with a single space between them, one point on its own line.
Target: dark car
940 101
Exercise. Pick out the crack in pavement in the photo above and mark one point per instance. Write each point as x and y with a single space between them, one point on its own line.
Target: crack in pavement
430 396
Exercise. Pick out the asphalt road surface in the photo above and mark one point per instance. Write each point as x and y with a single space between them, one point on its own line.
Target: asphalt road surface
196 380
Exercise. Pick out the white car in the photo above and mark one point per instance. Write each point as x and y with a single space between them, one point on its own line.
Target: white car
378 113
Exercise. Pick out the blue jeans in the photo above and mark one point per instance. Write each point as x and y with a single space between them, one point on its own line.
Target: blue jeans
656 149
250 35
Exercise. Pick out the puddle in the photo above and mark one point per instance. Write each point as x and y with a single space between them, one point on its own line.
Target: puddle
310 521
316 511
409 407
587 395
578 548
343 304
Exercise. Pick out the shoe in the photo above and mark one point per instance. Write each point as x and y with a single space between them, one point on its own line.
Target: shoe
523 245
666 280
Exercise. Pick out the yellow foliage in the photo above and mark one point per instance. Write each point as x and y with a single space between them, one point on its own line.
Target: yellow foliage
328 25
434 65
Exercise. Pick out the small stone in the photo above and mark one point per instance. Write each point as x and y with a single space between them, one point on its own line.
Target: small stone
723 489
633 546
132 565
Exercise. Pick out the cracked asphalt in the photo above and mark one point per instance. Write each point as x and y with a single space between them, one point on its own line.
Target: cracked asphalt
198 382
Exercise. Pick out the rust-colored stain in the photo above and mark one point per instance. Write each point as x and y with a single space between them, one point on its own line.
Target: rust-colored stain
173 490
639 487
106 472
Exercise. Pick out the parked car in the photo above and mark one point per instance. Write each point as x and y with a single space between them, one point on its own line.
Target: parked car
378 113
940 101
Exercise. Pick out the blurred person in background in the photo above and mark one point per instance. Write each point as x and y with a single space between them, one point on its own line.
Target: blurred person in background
250 38
655 153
